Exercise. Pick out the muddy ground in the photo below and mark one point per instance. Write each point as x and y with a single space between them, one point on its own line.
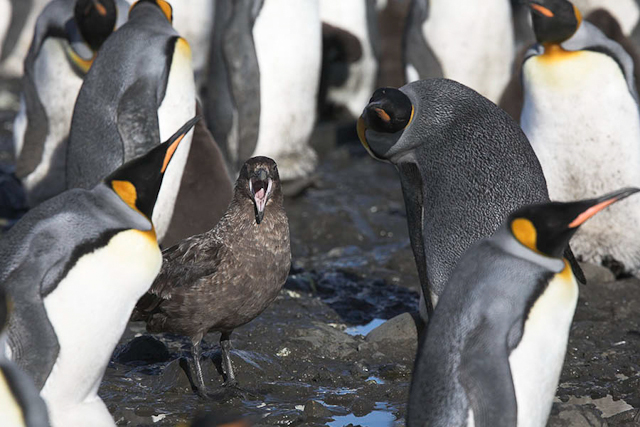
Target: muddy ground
315 356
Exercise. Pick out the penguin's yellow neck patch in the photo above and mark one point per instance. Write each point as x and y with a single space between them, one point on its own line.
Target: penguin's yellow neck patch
566 274
82 64
525 232
554 52
413 110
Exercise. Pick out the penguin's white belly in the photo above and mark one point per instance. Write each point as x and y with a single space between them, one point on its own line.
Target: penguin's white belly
9 408
584 126
89 310
193 19
58 88
352 17
288 42
178 107
470 51
626 12
537 361
13 65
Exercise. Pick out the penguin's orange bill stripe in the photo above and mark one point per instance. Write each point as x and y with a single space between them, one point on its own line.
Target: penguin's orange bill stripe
543 10
383 114
172 149
591 212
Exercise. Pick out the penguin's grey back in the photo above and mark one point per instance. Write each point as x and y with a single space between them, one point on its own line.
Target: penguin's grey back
476 166
121 95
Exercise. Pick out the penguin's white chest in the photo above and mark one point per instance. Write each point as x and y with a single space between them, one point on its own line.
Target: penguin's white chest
537 361
89 310
178 106
57 86
584 126
288 42
9 408
470 51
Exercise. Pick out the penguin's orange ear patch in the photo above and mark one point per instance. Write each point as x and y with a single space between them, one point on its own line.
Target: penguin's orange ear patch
101 9
383 115
166 9
525 232
543 10
127 192
172 149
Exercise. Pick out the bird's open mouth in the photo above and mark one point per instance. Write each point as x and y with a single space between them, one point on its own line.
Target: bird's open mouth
260 189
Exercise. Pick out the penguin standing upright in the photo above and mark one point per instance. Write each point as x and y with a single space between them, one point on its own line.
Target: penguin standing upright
75 267
66 39
20 402
139 88
464 165
469 41
495 346
263 82
355 74
581 115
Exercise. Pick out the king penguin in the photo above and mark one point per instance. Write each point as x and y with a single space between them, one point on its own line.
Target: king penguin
139 88
75 267
581 116
469 41
263 82
464 165
20 401
494 348
66 39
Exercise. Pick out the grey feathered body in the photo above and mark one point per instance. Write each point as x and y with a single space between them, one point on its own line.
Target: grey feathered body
223 278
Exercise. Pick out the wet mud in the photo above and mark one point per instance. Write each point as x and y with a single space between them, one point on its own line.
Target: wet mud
324 353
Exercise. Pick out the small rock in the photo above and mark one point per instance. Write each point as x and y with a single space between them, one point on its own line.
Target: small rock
361 407
329 341
596 274
142 350
569 415
315 409
397 336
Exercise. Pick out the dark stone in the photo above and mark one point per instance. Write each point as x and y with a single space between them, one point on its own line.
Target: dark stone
361 407
569 415
397 337
143 350
315 409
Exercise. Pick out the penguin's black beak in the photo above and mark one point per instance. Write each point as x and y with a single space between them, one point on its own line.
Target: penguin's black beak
594 206
260 186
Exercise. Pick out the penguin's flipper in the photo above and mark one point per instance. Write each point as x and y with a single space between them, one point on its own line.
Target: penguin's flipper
33 341
575 267
485 374
417 51
138 128
411 181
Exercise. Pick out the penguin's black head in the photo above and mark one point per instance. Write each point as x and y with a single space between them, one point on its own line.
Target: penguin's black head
162 4
388 113
546 228
554 21
259 181
138 181
96 20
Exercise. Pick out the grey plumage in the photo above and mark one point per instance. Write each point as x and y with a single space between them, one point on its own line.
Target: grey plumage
23 392
113 121
224 278
416 49
464 165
